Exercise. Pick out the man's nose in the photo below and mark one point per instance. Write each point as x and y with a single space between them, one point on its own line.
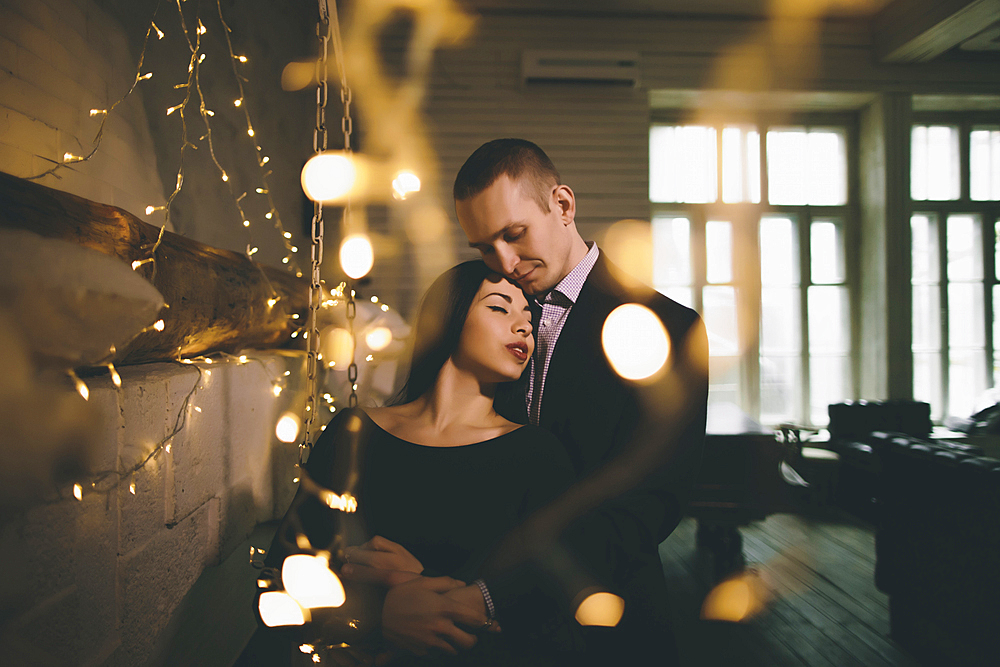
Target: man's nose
508 260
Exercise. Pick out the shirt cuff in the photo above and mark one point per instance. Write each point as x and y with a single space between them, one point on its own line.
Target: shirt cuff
490 609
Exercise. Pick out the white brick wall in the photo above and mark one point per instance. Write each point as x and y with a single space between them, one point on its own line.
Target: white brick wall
58 60
95 582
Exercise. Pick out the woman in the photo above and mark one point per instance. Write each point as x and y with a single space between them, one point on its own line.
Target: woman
442 474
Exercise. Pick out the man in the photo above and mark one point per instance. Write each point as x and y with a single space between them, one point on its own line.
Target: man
635 447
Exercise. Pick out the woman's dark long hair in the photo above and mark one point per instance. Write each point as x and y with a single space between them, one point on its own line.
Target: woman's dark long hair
439 326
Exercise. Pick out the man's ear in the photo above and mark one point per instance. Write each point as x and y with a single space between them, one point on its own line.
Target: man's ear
565 202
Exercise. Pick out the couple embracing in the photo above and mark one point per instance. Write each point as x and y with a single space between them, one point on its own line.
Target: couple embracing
517 483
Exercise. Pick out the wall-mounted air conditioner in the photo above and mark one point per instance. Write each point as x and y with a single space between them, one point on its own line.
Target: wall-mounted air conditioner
595 68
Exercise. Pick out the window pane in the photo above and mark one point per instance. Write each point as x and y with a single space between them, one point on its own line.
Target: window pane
829 320
934 162
828 381
827 252
965 315
965 243
926 318
682 295
779 257
718 251
740 165
683 164
780 389
779 320
984 163
719 311
671 252
927 381
966 381
924 249
807 166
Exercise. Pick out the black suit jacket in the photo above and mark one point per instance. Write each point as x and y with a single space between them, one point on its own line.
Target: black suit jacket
636 447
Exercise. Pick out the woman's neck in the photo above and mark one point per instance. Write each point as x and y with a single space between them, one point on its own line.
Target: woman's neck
456 399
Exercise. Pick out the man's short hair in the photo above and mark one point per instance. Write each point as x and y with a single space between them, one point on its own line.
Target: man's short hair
514 158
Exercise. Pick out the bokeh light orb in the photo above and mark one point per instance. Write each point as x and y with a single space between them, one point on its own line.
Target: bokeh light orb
328 176
604 609
311 582
278 608
337 347
357 255
405 184
287 428
378 338
635 341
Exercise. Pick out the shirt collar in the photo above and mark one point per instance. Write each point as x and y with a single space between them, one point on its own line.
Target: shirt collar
571 285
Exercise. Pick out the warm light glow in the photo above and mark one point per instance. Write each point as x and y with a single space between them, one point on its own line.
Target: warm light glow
68 156
95 112
378 338
369 358
78 492
287 429
225 177
159 33
250 131
150 209
243 358
277 390
385 308
271 302
237 103
287 235
147 75
246 223
167 448
405 184
306 648
242 59
328 176
604 609
357 256
159 325
116 379
345 503
635 342
82 388
131 488
311 582
278 608
736 599
337 345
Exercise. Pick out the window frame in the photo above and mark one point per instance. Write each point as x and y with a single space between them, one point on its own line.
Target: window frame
745 218
988 213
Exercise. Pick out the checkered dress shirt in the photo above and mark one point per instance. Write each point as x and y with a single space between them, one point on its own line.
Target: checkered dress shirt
556 305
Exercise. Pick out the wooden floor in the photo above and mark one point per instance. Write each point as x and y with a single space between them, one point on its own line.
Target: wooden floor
820 607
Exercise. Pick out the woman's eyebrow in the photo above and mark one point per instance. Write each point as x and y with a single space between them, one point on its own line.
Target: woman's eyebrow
501 295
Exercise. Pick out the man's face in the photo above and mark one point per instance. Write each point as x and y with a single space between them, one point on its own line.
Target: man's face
516 237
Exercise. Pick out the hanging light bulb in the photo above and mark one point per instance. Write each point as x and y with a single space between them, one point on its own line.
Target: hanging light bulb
329 176
357 255
311 582
287 428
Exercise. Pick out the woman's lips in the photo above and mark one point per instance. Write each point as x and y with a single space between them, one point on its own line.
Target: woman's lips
519 350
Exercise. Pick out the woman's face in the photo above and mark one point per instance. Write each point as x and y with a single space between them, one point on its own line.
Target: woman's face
496 340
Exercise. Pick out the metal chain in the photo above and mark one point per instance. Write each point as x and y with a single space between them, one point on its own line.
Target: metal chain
316 255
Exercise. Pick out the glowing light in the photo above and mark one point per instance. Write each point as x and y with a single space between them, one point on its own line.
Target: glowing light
344 503
378 338
316 657
237 103
252 251
116 379
311 582
261 191
250 131
68 156
374 299
271 302
287 373
150 209
81 387
287 428
96 112
269 215
197 409
242 59
328 176
170 110
167 448
201 58
294 248
405 184
635 341
246 223
159 325
736 599
159 33
357 256
278 608
131 488
208 374
295 316
209 112
201 28
284 260
265 159
604 609
369 358
243 358
306 648
385 308
225 177
337 345
276 390
147 75
287 235
78 492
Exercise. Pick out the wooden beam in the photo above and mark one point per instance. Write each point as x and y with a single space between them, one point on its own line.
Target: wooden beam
920 30
217 299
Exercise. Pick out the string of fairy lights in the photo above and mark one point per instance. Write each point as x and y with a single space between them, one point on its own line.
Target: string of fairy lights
289 425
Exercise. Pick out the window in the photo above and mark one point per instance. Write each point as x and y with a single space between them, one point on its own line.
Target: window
955 193
750 223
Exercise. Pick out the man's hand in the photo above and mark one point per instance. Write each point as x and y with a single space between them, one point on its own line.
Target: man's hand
380 561
418 617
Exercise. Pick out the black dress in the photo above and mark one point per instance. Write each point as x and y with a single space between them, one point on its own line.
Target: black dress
448 506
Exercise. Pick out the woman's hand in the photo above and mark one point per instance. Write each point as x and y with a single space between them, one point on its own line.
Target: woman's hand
418 617
380 561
